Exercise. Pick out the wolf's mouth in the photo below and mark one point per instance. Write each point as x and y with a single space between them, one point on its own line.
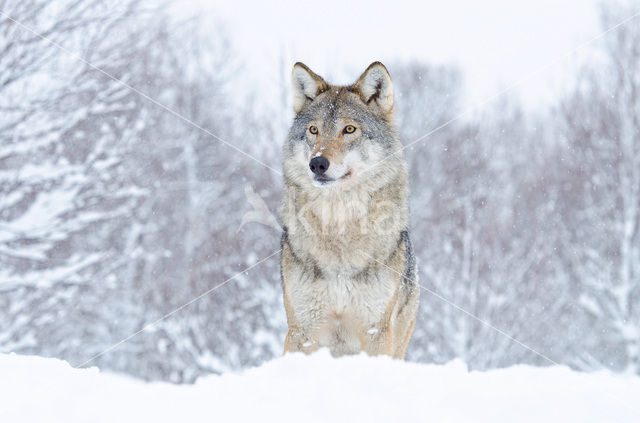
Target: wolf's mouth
323 180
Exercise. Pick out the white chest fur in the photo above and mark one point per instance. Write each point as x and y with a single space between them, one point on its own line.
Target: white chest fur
340 233
341 309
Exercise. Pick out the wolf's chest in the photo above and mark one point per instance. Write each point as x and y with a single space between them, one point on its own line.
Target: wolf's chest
367 300
341 218
362 300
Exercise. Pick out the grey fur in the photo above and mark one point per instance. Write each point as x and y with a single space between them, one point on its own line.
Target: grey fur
337 292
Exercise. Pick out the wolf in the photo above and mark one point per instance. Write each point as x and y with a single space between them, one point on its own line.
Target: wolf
348 269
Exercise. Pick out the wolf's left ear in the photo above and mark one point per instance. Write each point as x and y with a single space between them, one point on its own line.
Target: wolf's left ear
375 88
306 86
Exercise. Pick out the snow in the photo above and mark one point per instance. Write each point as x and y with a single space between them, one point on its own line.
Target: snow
318 388
113 212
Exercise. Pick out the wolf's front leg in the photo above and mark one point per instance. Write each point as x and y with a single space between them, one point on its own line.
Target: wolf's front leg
296 281
378 339
298 341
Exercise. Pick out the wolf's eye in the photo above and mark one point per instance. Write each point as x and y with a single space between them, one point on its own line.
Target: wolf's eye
313 130
349 129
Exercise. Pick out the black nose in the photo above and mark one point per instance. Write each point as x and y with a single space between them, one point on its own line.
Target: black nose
319 165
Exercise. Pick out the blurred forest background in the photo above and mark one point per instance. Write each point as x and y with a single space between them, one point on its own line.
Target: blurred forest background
114 212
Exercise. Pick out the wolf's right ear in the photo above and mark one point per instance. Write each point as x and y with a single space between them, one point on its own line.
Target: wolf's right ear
306 86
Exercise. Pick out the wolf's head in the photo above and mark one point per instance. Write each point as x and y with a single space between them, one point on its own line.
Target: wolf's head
342 136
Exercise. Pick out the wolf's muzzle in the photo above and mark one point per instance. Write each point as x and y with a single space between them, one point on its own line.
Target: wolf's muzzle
319 165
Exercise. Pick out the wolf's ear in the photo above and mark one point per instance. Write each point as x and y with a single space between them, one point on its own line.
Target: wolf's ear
375 88
306 86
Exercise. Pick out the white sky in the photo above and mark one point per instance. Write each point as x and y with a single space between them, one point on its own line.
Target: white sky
496 42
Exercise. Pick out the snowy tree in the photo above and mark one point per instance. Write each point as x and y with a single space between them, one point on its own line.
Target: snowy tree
66 202
600 197
480 214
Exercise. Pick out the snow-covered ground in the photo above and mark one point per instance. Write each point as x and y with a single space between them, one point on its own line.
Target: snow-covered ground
318 389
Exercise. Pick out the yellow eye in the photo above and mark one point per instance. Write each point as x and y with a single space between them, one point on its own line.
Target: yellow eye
349 129
313 130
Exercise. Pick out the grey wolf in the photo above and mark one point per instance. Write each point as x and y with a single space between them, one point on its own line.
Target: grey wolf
348 270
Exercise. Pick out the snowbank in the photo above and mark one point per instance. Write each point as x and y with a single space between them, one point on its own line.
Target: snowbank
318 389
